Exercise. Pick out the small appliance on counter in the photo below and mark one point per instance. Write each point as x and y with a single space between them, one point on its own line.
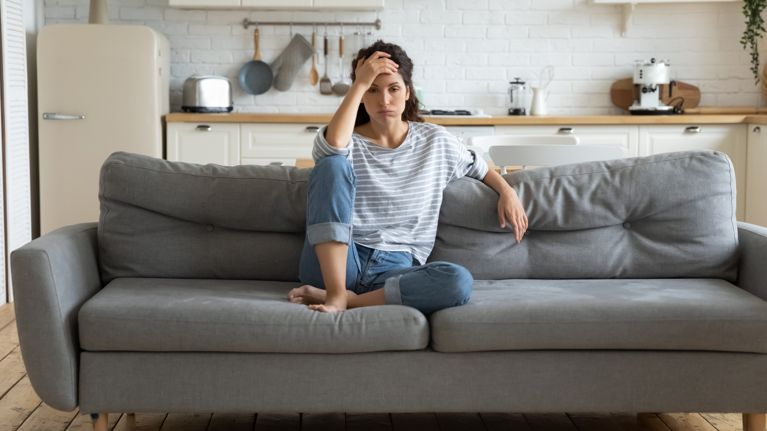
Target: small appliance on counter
648 78
519 97
207 94
453 112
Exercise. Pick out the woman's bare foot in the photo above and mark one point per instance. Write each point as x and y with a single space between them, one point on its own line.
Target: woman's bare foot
307 294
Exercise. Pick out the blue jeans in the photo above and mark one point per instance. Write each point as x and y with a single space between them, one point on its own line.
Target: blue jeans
330 204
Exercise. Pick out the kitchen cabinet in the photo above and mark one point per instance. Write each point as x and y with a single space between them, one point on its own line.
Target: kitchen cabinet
729 139
756 175
626 137
204 143
279 4
286 144
241 144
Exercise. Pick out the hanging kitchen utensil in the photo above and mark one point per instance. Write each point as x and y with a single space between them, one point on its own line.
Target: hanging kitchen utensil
326 86
287 65
256 76
314 76
341 87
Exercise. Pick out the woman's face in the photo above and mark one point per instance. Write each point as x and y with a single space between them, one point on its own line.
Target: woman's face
385 99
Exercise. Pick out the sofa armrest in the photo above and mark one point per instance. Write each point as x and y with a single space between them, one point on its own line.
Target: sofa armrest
52 277
752 266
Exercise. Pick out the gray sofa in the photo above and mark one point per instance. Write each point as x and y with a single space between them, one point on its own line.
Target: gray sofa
635 290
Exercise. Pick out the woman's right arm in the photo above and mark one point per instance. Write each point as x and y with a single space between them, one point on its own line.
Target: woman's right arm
341 126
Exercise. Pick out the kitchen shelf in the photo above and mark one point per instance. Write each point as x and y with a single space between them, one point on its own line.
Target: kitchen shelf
630 5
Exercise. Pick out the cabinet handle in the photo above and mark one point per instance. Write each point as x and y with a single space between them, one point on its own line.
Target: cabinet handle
203 128
57 116
757 129
692 129
566 131
312 129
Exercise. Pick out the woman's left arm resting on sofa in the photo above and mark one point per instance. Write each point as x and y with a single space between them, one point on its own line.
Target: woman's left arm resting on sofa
510 208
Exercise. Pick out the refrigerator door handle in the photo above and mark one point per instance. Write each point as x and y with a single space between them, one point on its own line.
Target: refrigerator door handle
55 116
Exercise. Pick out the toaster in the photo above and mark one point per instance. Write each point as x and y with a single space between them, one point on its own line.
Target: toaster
207 93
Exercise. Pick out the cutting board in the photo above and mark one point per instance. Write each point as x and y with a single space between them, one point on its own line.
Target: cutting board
622 93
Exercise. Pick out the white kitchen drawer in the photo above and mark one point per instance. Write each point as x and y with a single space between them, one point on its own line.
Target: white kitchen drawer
730 139
626 137
204 143
269 141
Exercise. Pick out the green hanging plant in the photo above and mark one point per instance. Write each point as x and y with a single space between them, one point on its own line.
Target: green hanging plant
752 10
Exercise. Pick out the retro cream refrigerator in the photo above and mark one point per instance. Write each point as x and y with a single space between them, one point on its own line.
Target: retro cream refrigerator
101 89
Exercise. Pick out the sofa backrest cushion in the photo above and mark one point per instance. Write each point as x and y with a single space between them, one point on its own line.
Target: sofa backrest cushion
183 220
667 215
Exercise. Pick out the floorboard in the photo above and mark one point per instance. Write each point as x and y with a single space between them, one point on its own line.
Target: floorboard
368 422
414 422
11 371
46 418
82 422
686 422
232 422
550 422
278 422
17 405
724 422
504 422
7 315
460 422
323 422
186 422
144 422
9 339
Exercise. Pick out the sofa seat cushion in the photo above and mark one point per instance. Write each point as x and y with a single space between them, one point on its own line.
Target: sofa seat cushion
630 314
160 315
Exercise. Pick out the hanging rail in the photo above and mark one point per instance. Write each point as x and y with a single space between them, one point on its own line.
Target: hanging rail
377 23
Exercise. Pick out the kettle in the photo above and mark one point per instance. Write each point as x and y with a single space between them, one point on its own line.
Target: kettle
519 97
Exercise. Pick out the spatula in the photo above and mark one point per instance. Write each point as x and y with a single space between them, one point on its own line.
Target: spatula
314 76
326 86
341 87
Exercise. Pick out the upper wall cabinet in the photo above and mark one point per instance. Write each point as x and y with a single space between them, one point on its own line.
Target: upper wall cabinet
279 4
630 5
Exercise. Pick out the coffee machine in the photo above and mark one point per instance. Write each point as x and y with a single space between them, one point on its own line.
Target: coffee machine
648 78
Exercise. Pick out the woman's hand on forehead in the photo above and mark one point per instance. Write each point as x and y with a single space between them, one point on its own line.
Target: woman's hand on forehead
368 68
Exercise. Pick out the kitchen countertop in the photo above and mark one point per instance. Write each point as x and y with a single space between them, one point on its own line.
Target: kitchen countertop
720 118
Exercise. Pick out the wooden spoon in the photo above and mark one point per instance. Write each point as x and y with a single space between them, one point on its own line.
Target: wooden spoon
314 75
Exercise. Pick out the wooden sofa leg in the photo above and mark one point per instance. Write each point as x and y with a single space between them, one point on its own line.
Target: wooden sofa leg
100 421
753 421
130 422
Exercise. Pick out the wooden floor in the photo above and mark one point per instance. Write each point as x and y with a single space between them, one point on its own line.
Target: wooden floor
22 410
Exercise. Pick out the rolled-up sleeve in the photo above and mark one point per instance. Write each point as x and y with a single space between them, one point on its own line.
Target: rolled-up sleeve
470 164
323 149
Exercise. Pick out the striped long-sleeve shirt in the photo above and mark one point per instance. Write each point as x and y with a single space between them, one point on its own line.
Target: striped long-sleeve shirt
399 191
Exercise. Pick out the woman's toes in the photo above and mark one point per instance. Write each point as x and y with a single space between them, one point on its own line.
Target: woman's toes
295 295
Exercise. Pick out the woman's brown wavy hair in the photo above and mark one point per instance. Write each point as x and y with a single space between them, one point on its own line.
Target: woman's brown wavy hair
398 56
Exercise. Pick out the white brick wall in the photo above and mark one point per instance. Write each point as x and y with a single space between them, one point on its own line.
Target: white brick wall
466 52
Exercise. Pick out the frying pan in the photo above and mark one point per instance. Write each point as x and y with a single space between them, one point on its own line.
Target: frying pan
255 75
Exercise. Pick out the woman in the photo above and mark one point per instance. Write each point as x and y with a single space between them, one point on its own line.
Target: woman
375 193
